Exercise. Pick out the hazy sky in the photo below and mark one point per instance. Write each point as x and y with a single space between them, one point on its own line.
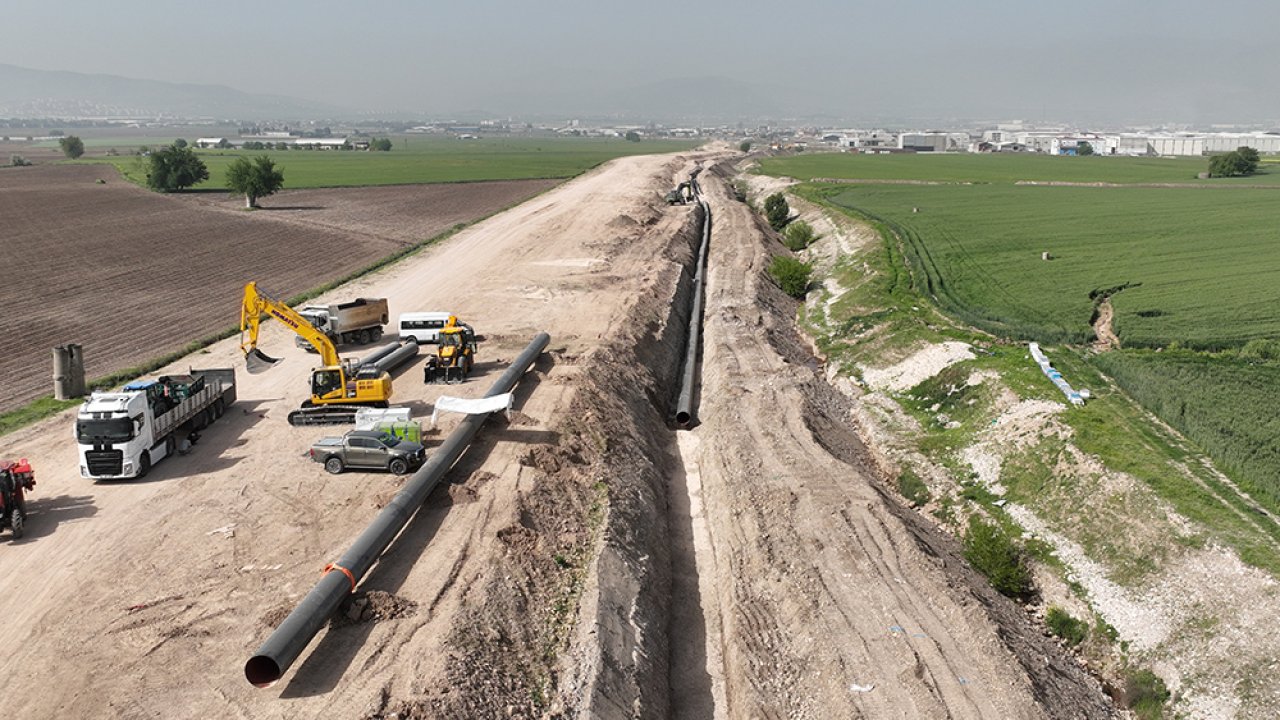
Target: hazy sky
1084 60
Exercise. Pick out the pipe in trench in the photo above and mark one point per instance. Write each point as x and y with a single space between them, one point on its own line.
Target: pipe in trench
684 405
288 641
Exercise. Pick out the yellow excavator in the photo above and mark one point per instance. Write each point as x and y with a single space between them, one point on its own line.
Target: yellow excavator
338 388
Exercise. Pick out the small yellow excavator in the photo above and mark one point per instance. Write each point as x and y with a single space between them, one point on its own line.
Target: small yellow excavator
455 353
338 388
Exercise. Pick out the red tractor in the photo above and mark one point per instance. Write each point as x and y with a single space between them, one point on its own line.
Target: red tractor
15 479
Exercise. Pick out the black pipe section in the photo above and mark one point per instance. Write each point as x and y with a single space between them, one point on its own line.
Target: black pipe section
378 354
340 578
684 406
397 357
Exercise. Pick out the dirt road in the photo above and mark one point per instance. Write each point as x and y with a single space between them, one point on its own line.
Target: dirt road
782 584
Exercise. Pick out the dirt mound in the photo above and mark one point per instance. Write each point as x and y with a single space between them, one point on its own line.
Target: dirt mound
373 606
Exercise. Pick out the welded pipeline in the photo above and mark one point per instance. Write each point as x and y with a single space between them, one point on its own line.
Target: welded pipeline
397 357
684 405
340 578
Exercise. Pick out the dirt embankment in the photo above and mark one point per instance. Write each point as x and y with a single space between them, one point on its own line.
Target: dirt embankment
587 562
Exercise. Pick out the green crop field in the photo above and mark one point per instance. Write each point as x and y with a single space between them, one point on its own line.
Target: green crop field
1201 265
1004 168
417 159
1227 405
1198 268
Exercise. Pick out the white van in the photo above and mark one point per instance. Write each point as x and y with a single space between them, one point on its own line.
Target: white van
423 327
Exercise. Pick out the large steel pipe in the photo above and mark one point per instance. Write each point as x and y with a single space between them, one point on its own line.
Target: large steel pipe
340 578
380 353
684 405
397 357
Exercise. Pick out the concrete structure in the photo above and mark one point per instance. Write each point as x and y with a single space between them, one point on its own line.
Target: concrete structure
209 142
321 143
924 142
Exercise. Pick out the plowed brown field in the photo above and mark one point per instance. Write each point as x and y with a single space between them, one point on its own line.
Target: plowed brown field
132 275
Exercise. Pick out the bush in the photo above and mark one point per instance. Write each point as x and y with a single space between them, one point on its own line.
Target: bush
992 551
72 146
18 161
1061 623
1145 694
791 275
1260 349
776 211
798 235
913 488
745 146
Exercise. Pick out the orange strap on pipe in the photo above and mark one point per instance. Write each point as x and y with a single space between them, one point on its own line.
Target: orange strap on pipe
334 566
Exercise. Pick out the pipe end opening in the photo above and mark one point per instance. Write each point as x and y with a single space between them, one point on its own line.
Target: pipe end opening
683 418
262 671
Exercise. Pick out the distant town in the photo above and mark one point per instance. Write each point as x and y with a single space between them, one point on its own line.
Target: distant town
1010 137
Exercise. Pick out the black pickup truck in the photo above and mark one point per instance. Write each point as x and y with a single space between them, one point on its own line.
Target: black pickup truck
368 449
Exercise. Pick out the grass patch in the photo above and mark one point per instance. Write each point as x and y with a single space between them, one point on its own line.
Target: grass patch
1071 630
1145 694
913 488
993 551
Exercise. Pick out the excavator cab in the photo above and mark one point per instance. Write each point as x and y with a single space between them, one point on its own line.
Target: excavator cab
325 382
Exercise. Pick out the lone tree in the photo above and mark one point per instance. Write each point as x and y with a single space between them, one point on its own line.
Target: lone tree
1241 161
72 146
256 178
1084 148
745 146
776 211
380 144
174 168
180 142
633 136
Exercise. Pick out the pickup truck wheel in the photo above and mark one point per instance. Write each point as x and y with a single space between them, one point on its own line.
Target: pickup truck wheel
333 465
398 466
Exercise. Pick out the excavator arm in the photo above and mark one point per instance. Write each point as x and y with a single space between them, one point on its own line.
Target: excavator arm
255 305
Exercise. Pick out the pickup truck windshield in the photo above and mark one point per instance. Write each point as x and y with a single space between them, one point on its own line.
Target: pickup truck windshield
112 430
389 440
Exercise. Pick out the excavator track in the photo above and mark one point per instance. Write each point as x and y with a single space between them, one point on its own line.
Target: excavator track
324 415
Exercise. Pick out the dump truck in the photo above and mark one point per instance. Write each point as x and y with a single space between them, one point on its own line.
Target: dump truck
123 434
357 322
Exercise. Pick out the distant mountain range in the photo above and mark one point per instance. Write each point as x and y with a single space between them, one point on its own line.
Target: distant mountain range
26 93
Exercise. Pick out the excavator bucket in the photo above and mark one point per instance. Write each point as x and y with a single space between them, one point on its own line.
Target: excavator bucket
256 361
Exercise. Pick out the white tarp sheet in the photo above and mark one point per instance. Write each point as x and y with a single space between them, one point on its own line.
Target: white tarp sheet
471 406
